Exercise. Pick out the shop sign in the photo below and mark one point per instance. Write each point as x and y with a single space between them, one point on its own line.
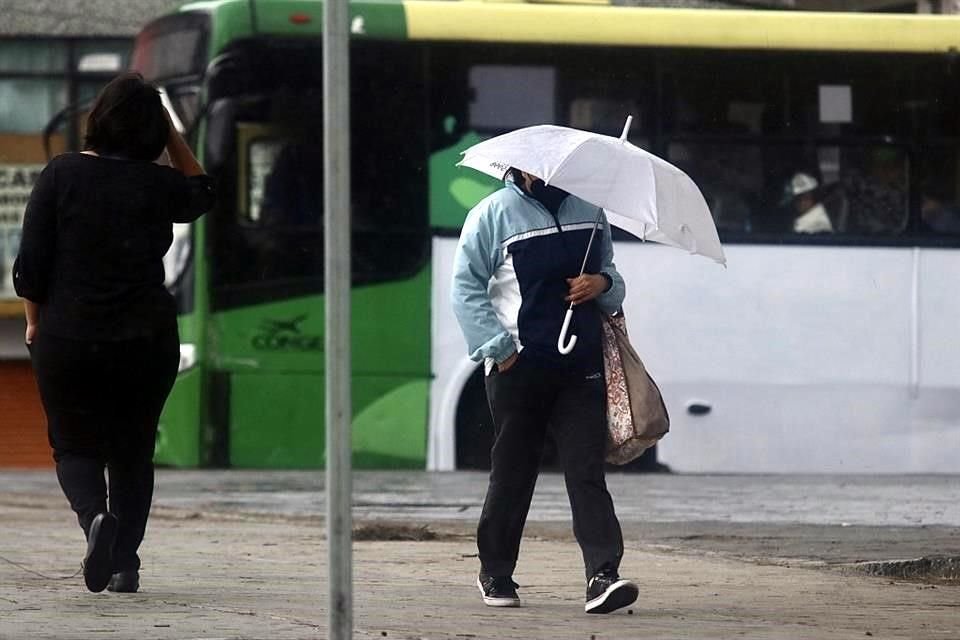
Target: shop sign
16 181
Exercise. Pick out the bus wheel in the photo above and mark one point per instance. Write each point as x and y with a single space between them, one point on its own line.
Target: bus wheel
475 429
475 436
474 425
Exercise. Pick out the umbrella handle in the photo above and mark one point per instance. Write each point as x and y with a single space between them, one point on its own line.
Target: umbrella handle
566 348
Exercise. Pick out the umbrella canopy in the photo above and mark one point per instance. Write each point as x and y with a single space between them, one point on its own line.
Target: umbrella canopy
641 193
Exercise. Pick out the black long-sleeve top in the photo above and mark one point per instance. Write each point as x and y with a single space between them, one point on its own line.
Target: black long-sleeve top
94 235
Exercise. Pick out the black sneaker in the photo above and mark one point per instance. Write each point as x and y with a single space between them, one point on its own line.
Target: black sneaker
124 582
606 592
498 591
98 563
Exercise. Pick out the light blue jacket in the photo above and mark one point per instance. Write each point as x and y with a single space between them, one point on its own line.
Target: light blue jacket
509 277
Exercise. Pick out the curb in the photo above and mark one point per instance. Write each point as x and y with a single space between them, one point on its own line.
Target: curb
928 568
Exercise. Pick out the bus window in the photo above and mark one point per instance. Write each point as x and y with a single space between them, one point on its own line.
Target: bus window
874 183
600 91
280 203
939 193
709 92
284 185
266 148
606 115
173 47
856 190
509 97
743 125
803 144
798 189
730 177
934 101
261 164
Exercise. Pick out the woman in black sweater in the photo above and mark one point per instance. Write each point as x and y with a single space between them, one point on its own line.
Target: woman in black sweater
101 326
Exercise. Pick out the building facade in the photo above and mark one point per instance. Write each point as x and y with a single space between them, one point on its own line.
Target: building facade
53 53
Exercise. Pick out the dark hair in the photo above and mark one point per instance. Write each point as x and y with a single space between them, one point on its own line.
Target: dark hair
127 120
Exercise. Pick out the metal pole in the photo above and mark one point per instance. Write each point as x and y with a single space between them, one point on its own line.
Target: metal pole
336 204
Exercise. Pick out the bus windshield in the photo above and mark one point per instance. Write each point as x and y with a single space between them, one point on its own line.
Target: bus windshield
171 53
264 143
172 48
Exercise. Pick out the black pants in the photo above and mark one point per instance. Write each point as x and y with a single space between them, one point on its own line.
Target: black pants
103 402
524 400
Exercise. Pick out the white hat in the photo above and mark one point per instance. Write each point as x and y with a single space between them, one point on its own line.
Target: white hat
799 184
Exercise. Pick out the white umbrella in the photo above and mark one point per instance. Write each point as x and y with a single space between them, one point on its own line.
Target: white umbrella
641 193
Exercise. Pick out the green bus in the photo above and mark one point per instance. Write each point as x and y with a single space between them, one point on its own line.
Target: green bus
742 100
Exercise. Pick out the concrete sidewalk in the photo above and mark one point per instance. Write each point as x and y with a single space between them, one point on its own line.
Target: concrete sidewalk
241 572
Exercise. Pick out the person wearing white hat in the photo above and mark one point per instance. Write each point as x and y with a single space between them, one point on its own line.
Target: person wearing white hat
811 217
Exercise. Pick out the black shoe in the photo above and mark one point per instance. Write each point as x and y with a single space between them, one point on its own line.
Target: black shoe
606 592
498 591
98 563
124 582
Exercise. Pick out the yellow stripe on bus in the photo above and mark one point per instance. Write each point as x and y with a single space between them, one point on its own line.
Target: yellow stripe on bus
701 28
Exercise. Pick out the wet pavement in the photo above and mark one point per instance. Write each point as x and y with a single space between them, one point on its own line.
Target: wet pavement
770 499
824 518
241 554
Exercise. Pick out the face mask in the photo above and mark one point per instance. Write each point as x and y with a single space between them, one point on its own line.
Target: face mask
549 196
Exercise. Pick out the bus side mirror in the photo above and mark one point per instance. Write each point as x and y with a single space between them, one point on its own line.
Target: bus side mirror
228 75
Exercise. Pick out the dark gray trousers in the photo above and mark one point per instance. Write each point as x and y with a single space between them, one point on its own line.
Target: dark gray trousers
525 401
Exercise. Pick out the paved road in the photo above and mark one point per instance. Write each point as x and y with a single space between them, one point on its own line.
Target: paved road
793 499
241 555
825 518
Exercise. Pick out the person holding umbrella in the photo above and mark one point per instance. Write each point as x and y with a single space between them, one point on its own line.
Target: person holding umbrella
515 275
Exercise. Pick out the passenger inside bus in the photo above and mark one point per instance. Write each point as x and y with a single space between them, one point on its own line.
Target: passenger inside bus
801 193
877 199
938 214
